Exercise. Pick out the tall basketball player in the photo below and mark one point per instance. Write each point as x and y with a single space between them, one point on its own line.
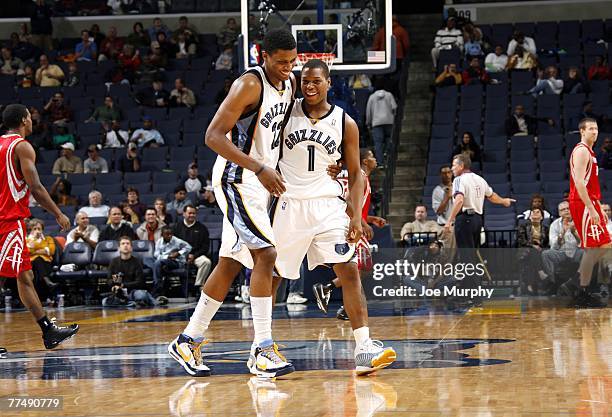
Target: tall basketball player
310 217
19 178
244 133
589 218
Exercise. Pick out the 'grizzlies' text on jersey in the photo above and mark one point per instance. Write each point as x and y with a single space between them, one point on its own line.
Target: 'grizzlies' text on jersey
309 146
256 133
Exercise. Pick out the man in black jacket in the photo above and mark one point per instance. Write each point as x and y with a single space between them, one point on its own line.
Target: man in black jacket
127 278
532 238
523 124
196 234
116 227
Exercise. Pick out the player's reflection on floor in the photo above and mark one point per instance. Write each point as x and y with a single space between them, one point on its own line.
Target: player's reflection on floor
356 397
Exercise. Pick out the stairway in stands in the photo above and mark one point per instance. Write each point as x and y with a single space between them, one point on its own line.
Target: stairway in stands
414 136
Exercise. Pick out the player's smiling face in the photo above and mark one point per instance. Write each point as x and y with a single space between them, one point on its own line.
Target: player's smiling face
315 85
280 63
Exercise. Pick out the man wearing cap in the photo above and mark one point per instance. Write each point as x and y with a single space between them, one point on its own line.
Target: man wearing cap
68 162
194 182
146 136
181 200
94 164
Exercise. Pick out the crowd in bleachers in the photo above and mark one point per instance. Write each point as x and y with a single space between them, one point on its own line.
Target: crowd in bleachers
511 96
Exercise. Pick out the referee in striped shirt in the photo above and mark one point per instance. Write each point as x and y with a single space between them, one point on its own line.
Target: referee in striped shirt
469 192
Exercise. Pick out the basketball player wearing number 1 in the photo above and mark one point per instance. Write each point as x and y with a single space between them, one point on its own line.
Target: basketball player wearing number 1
310 217
589 218
19 178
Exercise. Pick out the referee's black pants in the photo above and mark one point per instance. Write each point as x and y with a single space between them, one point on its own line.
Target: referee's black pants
467 235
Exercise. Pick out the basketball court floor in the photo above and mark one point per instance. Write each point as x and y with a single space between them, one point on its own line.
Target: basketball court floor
509 358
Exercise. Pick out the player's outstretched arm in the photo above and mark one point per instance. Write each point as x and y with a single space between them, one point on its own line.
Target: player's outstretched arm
242 97
27 162
355 179
580 160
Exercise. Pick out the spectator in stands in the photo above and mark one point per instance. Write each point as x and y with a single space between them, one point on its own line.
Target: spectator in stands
228 34
61 193
472 49
61 135
48 75
532 239
86 50
126 274
139 38
522 60
177 205
196 234
573 83
115 6
26 80
521 124
94 164
129 162
57 109
42 250
161 210
471 32
402 41
111 46
68 162
133 201
42 26
159 57
181 95
193 182
564 241
467 145
442 196
537 202
95 207
474 74
496 61
599 70
225 91
151 228
40 130
158 27
129 61
380 115
146 136
116 227
107 112
526 42
96 34
446 38
170 253
154 96
608 212
116 137
73 79
148 72
190 32
184 47
449 76
22 50
128 214
547 82
84 232
207 196
225 59
419 225
9 64
604 156
24 33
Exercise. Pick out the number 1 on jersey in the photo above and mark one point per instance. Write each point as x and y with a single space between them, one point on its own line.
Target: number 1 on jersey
311 156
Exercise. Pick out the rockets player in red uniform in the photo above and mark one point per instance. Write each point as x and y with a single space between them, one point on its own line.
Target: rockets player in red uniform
322 292
19 178
589 218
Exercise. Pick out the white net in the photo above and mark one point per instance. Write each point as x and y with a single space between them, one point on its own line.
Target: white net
326 57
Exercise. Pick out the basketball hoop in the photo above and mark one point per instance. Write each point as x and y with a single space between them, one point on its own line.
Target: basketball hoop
327 57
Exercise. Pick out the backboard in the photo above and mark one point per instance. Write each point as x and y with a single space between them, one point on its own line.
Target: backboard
358 33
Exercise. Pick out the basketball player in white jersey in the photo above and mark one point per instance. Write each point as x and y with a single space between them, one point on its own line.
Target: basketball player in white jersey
244 132
310 217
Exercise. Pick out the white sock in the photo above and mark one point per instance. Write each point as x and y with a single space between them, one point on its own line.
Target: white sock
361 335
200 319
261 309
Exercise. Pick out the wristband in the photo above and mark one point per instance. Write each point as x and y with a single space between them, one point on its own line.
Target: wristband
260 170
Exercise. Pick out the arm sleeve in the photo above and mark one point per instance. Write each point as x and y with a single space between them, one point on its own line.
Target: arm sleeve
436 198
184 247
95 235
369 111
488 190
552 235
511 47
458 187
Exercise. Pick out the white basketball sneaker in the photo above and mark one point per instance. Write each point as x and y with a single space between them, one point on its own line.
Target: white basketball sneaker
269 362
372 356
188 352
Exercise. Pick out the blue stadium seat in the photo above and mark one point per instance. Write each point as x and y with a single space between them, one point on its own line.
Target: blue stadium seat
89 129
108 189
142 187
195 80
592 29
518 155
495 143
154 154
471 103
550 154
547 142
553 166
193 139
136 177
179 113
571 140
501 188
80 179
494 168
154 165
170 126
172 139
198 126
495 156
444 118
204 112
156 113
526 188
523 166
165 177
435 145
85 141
555 187
81 191
439 157
202 64
501 33
524 177
547 176
185 153
163 189
528 28
525 100
445 104
447 93
495 129
134 114
522 143
108 178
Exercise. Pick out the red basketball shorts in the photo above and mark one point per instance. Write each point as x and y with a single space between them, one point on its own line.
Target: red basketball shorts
14 253
591 235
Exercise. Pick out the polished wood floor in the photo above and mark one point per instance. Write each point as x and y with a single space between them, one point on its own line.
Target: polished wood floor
510 358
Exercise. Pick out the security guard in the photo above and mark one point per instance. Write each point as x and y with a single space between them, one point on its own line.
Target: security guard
469 192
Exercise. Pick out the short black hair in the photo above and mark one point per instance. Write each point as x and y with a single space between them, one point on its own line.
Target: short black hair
179 188
189 206
363 153
279 39
167 228
13 115
317 63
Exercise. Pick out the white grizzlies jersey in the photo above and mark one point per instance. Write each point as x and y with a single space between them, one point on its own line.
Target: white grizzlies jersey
309 146
256 132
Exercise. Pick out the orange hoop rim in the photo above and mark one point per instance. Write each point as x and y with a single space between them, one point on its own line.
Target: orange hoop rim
326 57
